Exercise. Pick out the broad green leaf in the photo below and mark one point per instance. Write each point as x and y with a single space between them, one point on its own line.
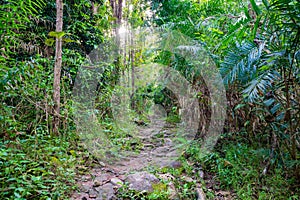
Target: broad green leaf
68 40
49 42
57 34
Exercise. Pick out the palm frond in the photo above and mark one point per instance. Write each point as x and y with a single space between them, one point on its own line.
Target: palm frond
239 27
289 8
260 85
192 49
239 63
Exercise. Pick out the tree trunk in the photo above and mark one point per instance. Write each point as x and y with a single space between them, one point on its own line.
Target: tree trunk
133 106
132 80
117 8
119 13
57 67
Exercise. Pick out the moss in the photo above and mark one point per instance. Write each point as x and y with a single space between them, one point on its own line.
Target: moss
160 191
159 187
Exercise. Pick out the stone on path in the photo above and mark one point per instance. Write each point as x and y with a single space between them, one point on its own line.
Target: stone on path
200 193
159 150
175 164
201 174
106 192
188 179
93 194
84 188
141 181
102 179
117 182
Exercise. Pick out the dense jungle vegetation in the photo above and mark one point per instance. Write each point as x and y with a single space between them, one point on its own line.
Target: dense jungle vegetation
254 44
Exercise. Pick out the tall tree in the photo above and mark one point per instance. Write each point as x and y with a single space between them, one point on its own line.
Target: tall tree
57 66
117 6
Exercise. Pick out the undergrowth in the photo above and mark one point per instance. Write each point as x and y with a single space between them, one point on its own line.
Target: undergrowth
239 167
38 167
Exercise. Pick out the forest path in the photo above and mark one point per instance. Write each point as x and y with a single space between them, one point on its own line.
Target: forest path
159 150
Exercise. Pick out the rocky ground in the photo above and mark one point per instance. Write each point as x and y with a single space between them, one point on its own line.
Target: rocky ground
106 181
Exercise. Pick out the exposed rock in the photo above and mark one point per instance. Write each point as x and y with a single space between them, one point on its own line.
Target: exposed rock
201 174
199 192
168 142
188 179
106 192
141 181
159 151
117 182
122 177
102 164
84 188
166 177
85 178
102 179
97 183
175 164
93 193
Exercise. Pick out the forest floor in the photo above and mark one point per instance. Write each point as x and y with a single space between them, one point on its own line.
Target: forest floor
148 174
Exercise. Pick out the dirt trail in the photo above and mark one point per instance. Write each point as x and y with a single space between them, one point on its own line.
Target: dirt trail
159 150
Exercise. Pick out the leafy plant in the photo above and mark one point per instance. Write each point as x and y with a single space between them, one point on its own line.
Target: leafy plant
36 166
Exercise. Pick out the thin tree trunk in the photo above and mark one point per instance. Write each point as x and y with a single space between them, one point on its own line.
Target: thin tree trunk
132 80
57 67
132 70
119 13
117 8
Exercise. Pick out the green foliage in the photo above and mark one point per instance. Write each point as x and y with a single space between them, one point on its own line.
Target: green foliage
36 167
255 45
173 118
239 64
240 167
84 29
266 72
23 97
122 136
15 16
159 193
